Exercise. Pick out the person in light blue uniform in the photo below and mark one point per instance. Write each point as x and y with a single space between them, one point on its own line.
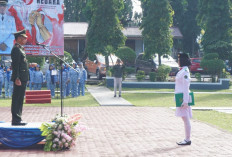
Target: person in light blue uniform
7 28
1 79
82 79
65 80
74 79
8 82
31 71
68 86
37 78
51 79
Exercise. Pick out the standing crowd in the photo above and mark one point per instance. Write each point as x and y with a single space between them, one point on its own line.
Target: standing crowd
73 79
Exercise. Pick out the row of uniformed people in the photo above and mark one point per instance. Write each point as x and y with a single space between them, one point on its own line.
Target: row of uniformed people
72 80
5 75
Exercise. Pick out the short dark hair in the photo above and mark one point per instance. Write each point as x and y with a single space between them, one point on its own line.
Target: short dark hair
184 59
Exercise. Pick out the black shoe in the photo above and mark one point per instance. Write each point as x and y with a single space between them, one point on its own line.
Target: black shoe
182 143
119 96
114 95
19 123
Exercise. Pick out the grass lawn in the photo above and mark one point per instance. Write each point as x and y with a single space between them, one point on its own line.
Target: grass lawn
218 119
81 101
172 90
167 100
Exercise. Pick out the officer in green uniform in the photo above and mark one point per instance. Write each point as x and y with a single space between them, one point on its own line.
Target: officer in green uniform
20 76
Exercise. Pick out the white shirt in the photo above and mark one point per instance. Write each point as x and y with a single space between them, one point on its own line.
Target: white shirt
182 83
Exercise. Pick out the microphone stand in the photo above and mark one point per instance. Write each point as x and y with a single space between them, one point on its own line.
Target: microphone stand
61 62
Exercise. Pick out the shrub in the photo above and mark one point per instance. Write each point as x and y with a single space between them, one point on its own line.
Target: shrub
212 65
140 75
127 55
225 74
198 77
152 76
163 72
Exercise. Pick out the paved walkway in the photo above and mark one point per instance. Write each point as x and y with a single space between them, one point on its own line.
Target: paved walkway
127 132
105 97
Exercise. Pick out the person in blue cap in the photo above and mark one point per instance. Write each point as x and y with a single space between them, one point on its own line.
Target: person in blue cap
37 78
51 79
1 79
82 79
65 80
68 86
74 77
8 82
31 71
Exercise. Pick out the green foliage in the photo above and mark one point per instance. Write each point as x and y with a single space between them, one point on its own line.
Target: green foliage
67 58
216 20
125 14
126 54
129 70
185 12
152 76
157 15
38 60
104 28
225 74
140 75
163 72
198 77
212 65
76 10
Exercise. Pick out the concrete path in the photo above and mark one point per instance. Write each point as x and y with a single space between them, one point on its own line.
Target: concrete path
105 97
127 132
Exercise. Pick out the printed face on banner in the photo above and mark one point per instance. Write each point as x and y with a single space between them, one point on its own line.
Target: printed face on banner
43 21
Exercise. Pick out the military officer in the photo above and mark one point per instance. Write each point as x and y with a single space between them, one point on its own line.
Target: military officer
20 75
7 28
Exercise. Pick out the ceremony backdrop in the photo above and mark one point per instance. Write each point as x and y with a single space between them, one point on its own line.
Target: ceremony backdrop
43 20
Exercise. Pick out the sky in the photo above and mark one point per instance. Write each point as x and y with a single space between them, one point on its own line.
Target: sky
136 5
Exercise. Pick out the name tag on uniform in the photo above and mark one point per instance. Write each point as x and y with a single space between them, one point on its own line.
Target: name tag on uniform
179 99
54 72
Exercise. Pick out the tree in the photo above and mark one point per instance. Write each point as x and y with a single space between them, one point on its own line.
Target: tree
216 20
125 14
67 58
156 23
36 59
76 10
137 19
127 55
212 65
185 12
104 30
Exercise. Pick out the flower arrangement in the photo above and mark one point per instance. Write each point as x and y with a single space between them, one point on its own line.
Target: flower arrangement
62 133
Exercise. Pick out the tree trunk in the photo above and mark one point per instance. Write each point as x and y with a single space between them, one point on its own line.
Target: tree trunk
159 59
107 62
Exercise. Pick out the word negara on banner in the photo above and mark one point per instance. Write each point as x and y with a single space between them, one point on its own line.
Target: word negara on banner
51 2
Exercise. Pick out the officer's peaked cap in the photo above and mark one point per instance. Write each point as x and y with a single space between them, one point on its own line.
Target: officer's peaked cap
20 33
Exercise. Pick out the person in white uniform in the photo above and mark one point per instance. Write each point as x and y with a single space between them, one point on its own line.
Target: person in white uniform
7 28
182 84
